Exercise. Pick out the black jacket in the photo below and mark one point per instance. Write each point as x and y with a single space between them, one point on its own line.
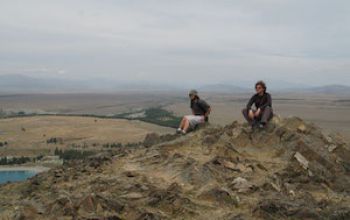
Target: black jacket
260 101
200 107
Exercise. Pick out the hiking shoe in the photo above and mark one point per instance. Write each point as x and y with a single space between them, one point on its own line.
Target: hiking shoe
183 132
262 125
179 131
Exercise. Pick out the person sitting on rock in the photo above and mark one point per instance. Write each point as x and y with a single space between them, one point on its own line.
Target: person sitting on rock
200 113
263 107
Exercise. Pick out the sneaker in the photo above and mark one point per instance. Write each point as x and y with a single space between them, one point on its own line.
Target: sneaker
262 125
179 131
183 132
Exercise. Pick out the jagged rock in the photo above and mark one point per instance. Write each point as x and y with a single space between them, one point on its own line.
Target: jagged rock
229 165
148 216
234 216
241 185
237 167
284 209
221 196
302 160
132 195
151 139
332 147
302 128
210 139
295 171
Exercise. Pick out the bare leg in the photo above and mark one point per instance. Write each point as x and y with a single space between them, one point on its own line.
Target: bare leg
186 125
182 124
251 115
248 115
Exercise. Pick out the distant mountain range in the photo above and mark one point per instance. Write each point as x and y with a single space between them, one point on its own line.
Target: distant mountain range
327 89
223 88
26 84
332 89
21 83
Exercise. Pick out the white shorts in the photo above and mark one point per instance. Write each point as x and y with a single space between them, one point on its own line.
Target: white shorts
195 120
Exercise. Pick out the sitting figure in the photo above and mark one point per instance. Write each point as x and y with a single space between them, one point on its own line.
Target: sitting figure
263 107
200 113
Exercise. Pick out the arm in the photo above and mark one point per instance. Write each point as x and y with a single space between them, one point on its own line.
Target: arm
206 109
206 115
207 112
251 102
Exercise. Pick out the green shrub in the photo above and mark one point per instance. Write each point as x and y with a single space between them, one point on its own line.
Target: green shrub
72 154
15 160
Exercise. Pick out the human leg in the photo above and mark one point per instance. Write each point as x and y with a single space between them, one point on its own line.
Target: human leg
249 116
267 115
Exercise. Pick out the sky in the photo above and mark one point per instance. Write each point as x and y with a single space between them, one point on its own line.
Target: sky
182 41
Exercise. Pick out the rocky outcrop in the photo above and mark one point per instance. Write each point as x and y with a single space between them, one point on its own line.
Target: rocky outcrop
290 170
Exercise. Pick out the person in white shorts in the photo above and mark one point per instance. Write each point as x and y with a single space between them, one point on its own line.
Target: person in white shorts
200 113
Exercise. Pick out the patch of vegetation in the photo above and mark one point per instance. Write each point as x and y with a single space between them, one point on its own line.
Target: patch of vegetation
14 160
39 157
119 145
54 140
72 154
155 115
3 144
10 114
133 144
79 146
112 145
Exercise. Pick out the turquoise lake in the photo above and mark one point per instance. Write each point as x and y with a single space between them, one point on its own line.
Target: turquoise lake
15 176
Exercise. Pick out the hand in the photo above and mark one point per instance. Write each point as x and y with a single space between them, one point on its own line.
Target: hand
257 113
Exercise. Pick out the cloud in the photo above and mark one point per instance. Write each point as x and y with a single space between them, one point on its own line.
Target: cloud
163 40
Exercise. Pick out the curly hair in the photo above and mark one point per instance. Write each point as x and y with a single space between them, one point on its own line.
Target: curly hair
262 84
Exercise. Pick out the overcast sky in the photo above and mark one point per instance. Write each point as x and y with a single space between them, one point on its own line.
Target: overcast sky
207 41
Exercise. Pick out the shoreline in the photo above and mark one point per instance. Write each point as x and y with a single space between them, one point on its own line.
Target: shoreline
36 169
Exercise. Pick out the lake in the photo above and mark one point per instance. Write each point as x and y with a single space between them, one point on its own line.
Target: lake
15 175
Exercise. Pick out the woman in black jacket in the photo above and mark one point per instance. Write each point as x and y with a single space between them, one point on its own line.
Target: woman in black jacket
263 107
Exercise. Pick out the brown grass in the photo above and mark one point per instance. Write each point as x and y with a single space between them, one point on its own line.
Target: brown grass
30 134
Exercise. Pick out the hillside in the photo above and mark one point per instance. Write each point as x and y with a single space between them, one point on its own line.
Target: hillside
293 170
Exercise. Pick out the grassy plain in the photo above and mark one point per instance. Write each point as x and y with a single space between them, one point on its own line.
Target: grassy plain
28 136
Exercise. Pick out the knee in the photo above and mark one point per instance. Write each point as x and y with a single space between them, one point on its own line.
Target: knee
268 110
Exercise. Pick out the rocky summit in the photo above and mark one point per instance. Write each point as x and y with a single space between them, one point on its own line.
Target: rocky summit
290 170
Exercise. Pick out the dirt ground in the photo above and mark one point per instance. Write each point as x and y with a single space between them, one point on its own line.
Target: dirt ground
291 170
